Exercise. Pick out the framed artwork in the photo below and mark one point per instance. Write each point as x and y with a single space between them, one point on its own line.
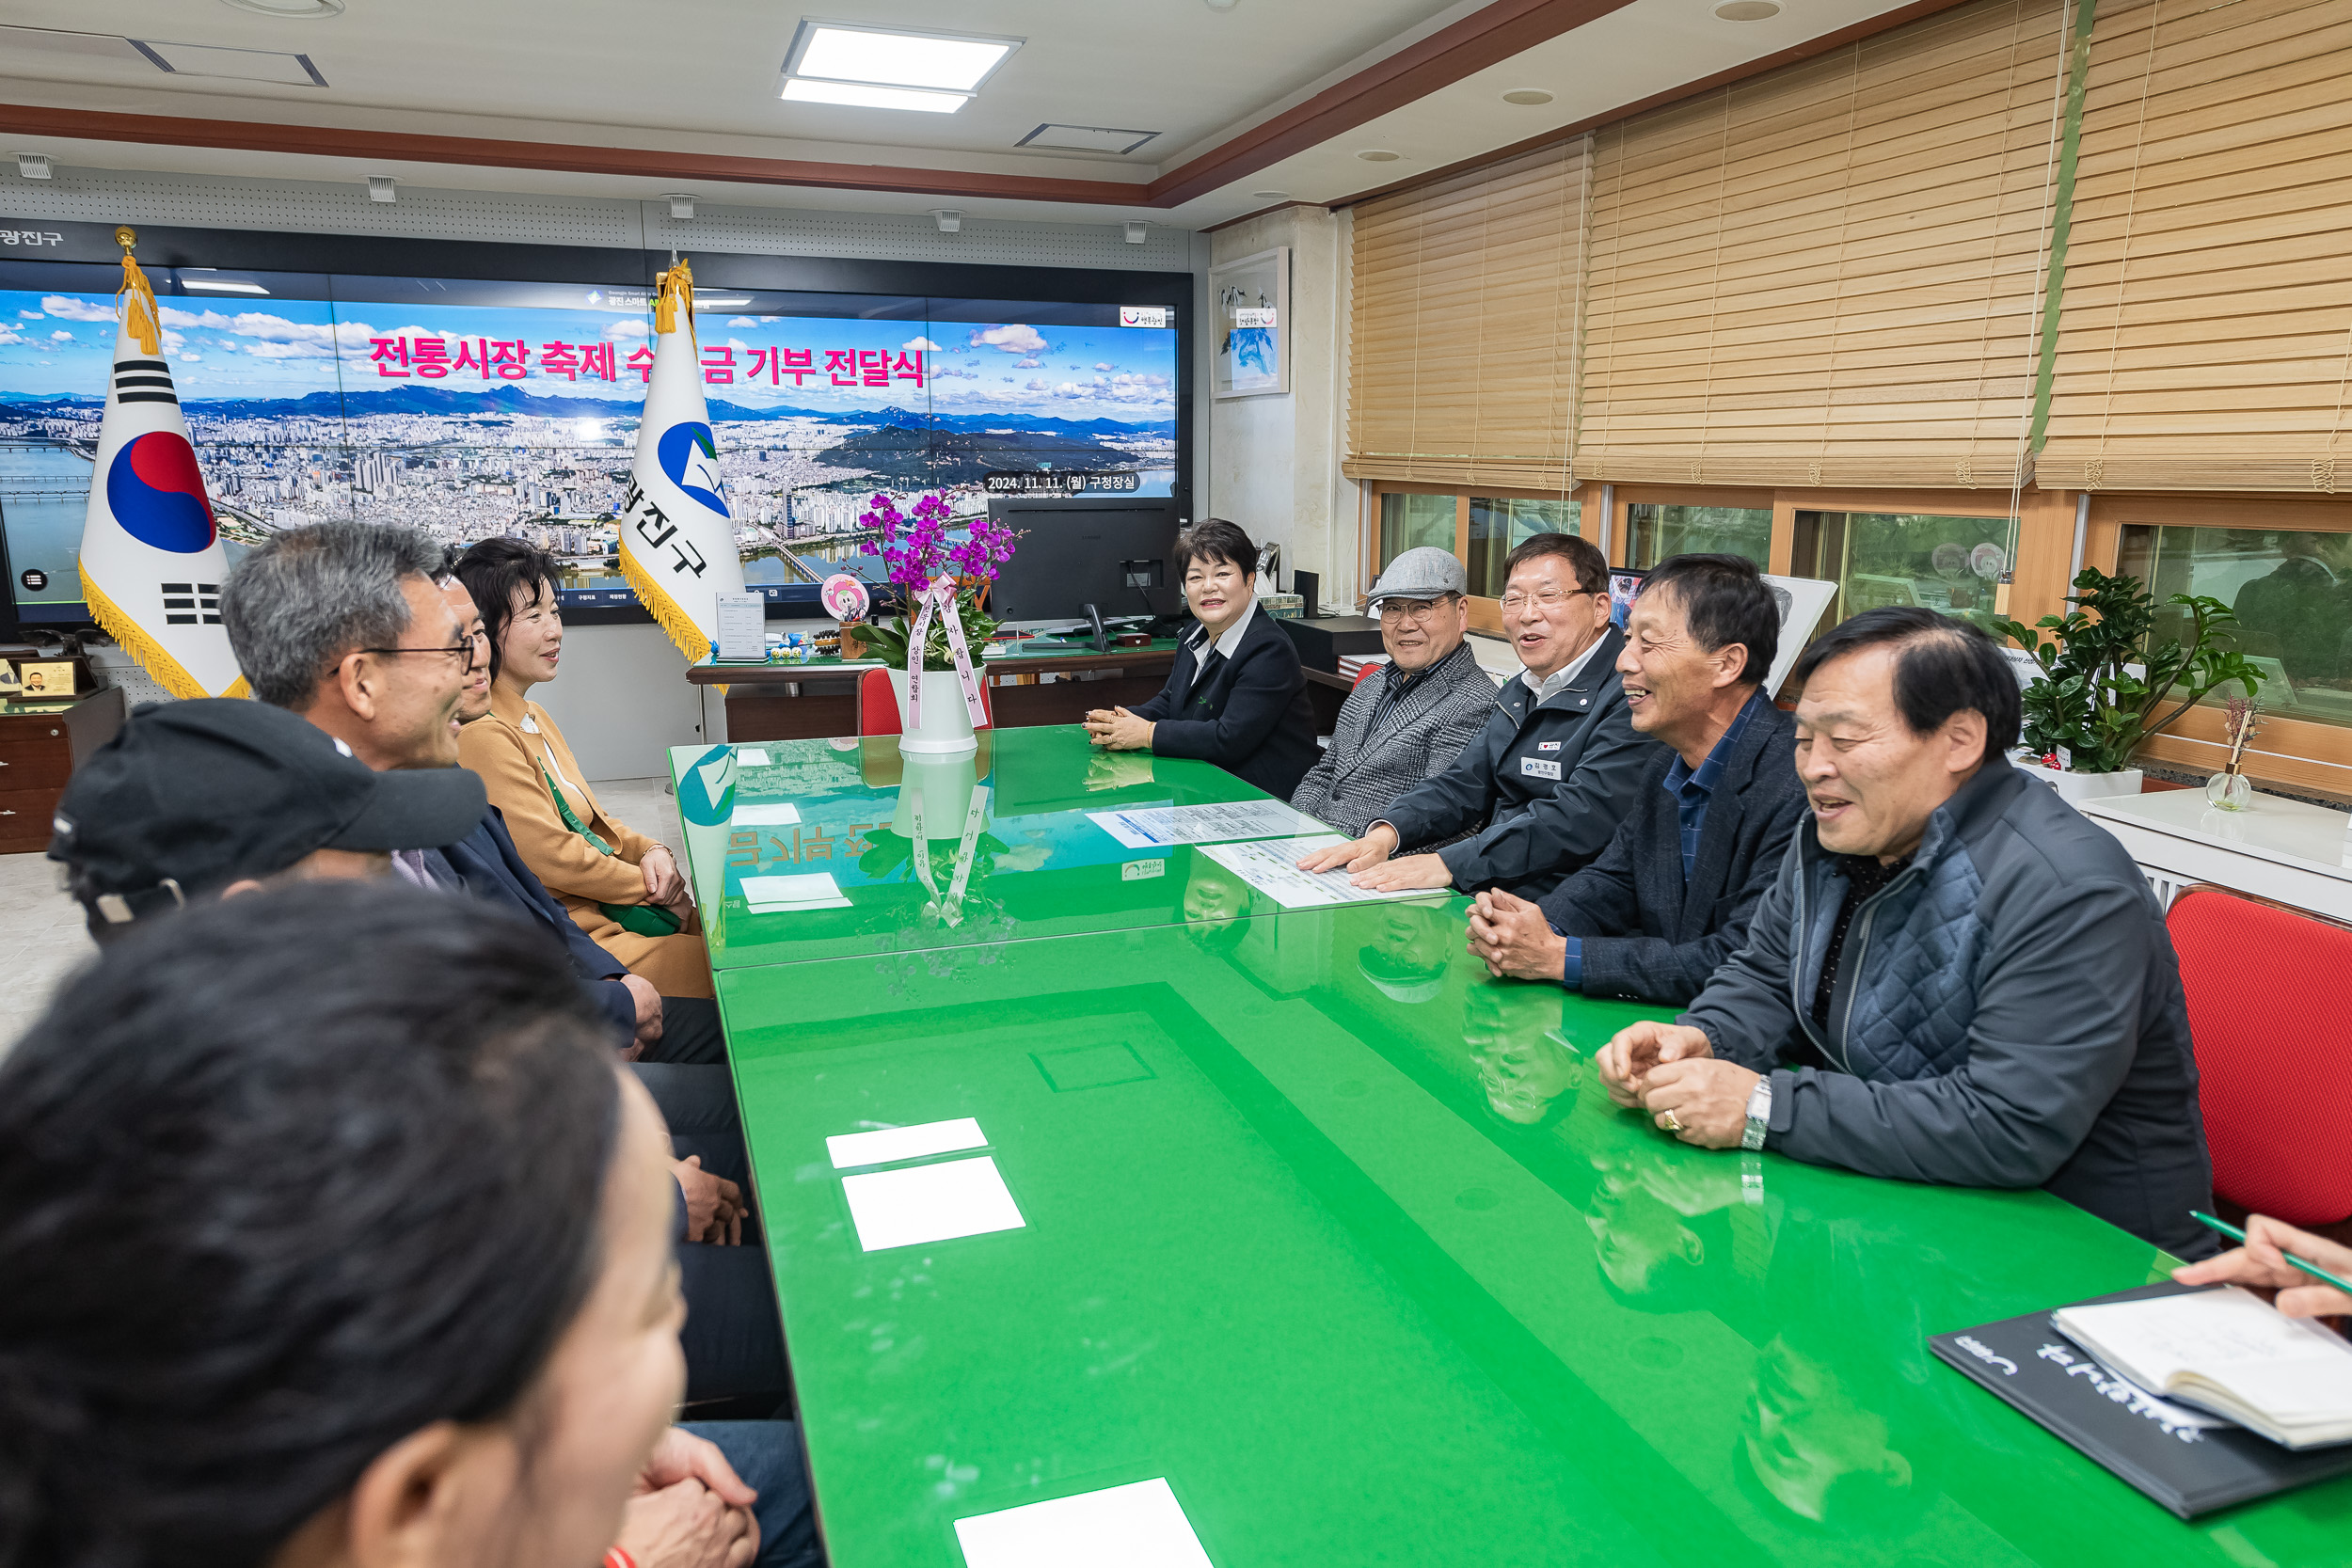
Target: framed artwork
1250 302
37 679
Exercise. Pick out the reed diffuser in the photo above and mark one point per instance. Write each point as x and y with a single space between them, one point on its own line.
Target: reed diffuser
2230 789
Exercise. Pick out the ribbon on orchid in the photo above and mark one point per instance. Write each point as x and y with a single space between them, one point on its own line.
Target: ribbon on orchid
940 596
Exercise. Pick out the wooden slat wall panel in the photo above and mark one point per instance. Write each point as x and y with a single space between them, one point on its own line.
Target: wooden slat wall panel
2206 334
1464 348
1828 276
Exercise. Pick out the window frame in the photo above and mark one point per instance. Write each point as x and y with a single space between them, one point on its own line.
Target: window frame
1485 614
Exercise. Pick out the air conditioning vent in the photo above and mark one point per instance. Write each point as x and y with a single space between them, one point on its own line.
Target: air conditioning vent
1085 138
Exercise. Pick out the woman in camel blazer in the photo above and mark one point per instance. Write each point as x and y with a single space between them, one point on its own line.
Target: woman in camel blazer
633 902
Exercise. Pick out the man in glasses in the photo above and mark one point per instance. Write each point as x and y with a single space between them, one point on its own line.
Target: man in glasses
1542 788
1408 720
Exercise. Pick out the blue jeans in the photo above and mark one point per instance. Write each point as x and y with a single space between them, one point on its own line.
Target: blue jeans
767 1454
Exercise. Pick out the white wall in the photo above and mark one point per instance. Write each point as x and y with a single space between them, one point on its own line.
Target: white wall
1273 463
621 697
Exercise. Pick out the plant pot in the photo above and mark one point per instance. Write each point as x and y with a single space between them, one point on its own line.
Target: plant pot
946 727
945 784
2076 787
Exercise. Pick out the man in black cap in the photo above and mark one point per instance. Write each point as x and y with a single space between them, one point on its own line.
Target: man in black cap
200 799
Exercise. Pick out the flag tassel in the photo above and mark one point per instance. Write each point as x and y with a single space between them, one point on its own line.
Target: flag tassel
141 319
153 656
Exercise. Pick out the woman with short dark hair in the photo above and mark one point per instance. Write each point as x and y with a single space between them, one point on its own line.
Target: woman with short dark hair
330 1234
621 886
1237 696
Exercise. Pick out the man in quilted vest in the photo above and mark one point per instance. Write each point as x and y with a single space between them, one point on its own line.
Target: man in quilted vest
1956 977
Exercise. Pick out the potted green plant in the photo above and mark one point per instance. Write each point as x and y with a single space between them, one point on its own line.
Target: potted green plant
2105 675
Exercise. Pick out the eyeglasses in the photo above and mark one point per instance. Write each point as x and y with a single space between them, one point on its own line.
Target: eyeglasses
473 649
1412 610
1551 598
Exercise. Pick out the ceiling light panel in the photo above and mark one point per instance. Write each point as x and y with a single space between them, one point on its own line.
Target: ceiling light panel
1085 138
943 62
54 40
799 89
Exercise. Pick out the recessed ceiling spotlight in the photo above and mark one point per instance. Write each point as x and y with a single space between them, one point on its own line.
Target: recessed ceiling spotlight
1220 5
877 67
1527 95
1378 156
1269 195
289 8
1748 11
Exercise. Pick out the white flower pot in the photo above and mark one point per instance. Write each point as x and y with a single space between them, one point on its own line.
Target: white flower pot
944 783
946 727
2075 788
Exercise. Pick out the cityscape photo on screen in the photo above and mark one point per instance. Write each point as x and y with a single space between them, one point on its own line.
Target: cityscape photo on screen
472 409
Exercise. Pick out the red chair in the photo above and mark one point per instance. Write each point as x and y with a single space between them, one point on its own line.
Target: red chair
1361 674
878 704
2274 1056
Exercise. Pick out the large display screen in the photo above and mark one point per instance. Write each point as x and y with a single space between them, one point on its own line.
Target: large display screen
473 409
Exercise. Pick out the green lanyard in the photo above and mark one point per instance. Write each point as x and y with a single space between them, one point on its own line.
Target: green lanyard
644 920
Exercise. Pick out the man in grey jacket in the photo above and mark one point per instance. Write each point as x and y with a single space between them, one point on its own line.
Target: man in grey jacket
1559 764
1956 977
1410 718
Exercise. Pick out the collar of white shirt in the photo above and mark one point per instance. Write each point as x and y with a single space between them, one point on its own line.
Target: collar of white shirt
1562 676
1225 643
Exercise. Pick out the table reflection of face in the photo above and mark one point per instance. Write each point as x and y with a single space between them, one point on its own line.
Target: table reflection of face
1410 948
1636 1236
1524 1075
1813 1446
1212 893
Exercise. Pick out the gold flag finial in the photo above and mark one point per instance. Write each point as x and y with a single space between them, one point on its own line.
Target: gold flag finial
142 320
674 290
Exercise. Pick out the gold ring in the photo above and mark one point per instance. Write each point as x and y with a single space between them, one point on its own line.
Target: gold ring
1670 1122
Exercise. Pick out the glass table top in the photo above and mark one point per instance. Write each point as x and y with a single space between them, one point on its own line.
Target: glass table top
1011 852
1340 1237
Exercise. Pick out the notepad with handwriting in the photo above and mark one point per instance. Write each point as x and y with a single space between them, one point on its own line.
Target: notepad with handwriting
2229 1352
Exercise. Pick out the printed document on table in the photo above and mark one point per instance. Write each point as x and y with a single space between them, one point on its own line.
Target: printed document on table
1136 1525
814 890
1270 865
1158 827
765 814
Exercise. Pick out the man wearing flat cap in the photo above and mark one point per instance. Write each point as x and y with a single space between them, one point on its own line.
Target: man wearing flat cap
1408 720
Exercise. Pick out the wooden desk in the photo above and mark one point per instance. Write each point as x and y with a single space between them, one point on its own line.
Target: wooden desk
42 743
818 700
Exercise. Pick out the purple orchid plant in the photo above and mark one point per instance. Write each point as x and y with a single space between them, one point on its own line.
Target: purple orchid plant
914 546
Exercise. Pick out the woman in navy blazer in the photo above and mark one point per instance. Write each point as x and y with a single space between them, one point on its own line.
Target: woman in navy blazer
1237 696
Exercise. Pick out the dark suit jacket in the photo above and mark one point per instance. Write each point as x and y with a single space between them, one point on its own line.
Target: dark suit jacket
1647 933
494 870
1251 717
1540 789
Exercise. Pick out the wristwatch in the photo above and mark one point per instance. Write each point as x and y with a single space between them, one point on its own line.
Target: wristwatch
1760 1114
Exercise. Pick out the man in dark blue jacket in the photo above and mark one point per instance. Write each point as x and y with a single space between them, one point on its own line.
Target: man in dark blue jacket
1669 898
1237 696
1955 977
1540 790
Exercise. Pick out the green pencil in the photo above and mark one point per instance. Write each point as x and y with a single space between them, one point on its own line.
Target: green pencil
2236 1235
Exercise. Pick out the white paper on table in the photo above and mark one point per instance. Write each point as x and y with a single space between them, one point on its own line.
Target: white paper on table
767 814
1270 865
930 1203
1139 1525
1157 827
886 1144
814 890
749 756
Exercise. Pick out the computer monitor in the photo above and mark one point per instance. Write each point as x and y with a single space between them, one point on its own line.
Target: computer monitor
1116 555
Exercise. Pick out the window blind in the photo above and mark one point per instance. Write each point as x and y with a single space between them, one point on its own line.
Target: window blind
1828 275
2206 329
1463 353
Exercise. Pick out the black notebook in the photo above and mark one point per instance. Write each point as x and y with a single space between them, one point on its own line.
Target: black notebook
2189 1468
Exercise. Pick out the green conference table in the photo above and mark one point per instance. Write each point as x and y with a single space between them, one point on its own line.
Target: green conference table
1032 861
1339 1237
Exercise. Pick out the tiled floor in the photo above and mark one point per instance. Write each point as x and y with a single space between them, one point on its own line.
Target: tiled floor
42 938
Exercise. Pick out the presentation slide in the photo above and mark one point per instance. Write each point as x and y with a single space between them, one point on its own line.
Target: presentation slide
473 409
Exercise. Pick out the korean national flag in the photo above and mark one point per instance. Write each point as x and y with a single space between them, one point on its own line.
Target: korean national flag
151 556
678 536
